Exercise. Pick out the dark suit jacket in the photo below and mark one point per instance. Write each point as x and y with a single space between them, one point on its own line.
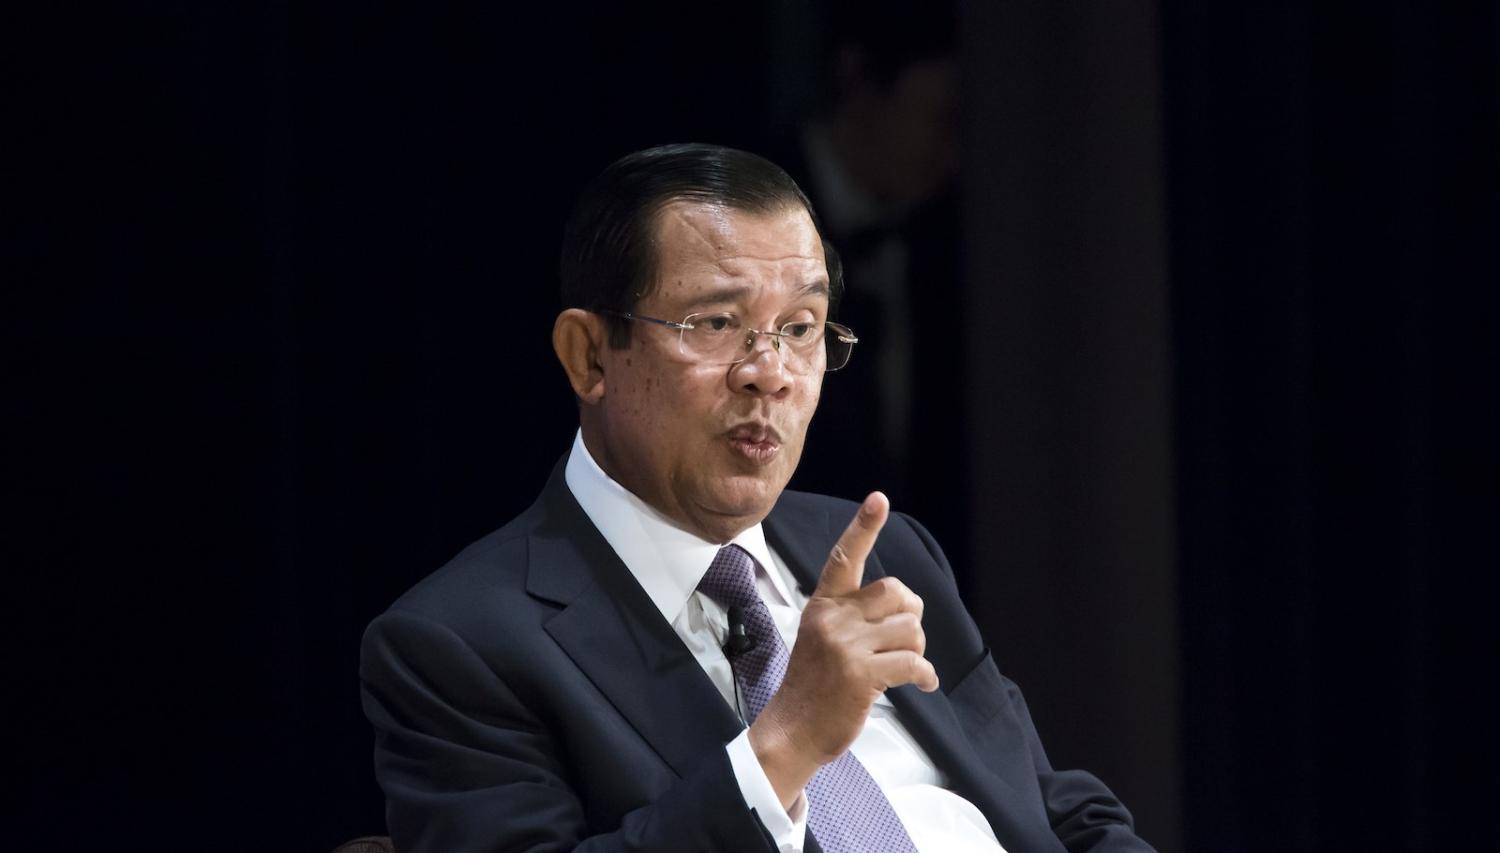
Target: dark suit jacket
529 696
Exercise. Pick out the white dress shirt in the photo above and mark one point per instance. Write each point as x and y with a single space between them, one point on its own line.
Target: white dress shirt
668 562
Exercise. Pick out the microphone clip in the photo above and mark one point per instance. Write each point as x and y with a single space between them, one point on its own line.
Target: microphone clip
738 641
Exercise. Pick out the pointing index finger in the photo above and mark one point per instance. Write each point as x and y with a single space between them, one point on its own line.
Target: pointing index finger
846 563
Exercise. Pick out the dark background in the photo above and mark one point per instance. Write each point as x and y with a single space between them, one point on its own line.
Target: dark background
278 285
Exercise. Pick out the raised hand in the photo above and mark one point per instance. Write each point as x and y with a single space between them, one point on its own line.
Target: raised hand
853 643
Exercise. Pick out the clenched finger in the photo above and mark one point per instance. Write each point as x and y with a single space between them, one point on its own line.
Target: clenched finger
893 669
880 598
898 632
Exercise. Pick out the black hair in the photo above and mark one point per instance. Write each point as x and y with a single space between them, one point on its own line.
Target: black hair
608 261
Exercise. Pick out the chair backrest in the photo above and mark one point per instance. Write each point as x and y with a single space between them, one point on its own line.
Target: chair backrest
368 844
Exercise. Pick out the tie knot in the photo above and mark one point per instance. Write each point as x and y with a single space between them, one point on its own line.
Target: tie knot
730 580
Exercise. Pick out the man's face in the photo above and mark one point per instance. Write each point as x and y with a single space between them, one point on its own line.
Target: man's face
712 445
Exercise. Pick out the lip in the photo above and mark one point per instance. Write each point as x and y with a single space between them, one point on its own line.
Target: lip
756 432
757 442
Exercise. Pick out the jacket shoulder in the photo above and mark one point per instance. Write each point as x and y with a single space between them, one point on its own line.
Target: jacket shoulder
491 563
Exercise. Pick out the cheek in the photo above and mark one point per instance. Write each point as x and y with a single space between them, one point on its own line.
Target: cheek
633 389
808 404
659 406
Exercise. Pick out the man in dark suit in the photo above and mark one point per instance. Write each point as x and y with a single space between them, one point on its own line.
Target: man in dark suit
668 651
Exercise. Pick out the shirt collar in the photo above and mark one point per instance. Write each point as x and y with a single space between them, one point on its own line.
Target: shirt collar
667 561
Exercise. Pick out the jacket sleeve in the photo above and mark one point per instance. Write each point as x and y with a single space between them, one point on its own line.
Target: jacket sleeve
466 766
1084 814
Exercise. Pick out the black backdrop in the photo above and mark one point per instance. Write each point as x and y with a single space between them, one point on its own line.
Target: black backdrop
1335 186
278 287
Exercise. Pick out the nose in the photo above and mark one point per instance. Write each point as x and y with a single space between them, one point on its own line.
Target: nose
763 373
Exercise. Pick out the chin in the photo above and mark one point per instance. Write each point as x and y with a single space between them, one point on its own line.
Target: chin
745 496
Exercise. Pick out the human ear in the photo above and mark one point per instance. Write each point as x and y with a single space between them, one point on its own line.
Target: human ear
578 340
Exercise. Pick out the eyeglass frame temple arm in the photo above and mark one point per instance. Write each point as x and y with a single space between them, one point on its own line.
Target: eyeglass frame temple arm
681 327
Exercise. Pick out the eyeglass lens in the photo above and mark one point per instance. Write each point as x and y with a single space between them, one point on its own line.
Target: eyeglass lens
723 338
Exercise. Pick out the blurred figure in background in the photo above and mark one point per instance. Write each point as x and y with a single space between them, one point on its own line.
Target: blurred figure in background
879 158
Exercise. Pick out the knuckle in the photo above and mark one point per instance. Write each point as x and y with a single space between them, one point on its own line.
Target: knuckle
919 666
899 596
907 621
912 634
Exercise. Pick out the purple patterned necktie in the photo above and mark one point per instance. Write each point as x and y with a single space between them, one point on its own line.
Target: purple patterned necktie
847 812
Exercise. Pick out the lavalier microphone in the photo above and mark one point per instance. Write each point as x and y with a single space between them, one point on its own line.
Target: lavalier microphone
738 641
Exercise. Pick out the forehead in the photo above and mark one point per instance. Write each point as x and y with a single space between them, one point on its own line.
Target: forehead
703 247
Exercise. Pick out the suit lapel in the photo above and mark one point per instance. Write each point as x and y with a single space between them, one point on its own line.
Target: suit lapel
803 540
611 630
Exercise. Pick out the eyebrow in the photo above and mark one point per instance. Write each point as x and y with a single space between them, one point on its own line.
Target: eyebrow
816 286
734 293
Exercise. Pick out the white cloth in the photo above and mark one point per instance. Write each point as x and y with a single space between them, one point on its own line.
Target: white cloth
668 562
